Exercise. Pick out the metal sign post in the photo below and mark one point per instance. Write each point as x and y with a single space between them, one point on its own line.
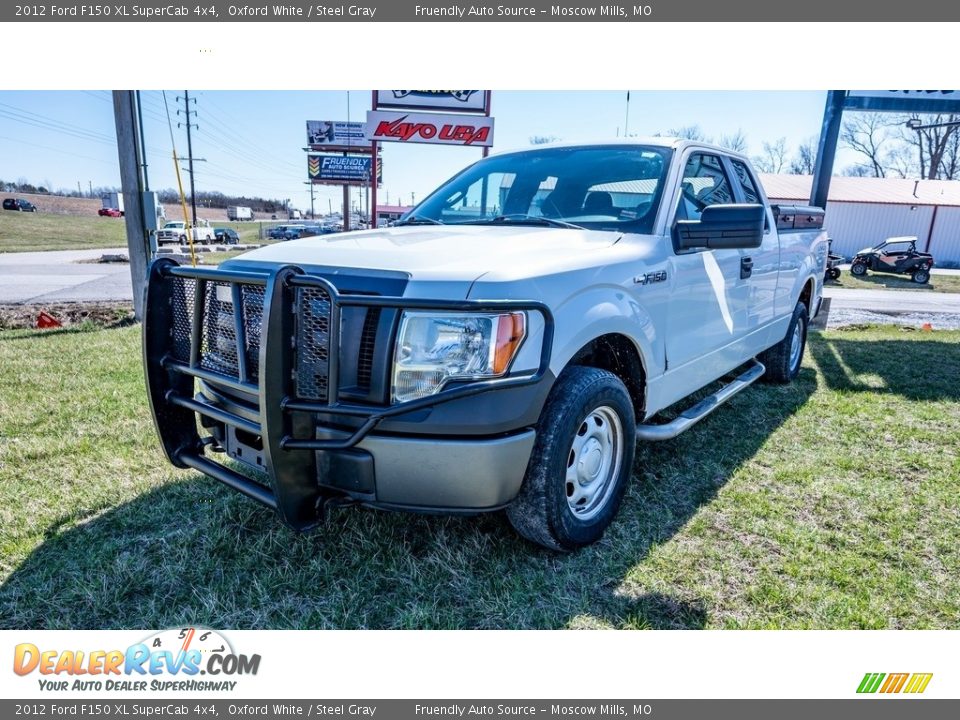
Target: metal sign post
894 101
374 174
446 117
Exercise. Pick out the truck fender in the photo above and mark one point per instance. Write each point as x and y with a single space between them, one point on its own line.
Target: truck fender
600 311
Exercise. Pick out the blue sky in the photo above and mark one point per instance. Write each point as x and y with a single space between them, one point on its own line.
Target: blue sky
253 140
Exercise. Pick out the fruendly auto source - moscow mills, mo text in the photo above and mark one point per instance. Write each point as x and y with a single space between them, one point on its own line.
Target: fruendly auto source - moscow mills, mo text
556 11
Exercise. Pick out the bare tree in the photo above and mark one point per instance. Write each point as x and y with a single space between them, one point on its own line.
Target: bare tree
868 134
859 170
951 158
934 147
689 132
805 160
543 139
774 157
901 161
736 142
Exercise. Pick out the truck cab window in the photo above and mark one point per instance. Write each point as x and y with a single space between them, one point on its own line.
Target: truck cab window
747 184
704 183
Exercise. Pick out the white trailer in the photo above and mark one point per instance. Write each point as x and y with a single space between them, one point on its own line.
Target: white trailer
112 200
239 212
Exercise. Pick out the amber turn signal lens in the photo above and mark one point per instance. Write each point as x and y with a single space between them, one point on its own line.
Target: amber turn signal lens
511 329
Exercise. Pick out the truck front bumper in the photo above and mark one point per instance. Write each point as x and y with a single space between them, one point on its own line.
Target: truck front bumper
247 363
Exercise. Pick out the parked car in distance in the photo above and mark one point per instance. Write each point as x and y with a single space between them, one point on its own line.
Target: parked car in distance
295 233
897 255
279 232
109 212
227 236
19 204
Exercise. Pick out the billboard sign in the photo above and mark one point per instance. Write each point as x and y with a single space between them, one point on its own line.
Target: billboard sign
432 128
341 170
336 136
905 101
442 100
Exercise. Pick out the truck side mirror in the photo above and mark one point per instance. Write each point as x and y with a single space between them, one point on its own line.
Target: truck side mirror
722 227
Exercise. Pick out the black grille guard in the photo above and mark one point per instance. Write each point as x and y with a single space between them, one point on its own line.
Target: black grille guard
287 423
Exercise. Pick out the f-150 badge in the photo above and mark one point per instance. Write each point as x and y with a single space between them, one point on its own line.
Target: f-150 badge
650 277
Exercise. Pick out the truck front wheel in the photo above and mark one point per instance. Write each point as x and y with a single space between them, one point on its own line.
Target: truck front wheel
581 462
783 359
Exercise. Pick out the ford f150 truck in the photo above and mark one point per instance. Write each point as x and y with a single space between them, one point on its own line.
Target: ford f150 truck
503 346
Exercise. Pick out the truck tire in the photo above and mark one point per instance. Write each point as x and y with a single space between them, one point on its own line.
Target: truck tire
921 276
783 359
859 269
581 461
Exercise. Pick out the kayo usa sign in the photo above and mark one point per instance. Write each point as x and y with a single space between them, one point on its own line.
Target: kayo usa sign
432 128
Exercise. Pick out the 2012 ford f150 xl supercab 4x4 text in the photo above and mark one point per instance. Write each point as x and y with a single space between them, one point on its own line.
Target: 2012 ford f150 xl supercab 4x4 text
504 346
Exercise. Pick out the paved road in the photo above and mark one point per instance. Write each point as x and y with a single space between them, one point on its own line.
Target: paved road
62 276
893 300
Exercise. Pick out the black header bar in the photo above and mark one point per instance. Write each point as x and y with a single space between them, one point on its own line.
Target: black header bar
516 11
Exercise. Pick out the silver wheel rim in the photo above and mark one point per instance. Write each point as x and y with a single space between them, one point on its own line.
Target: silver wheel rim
593 462
796 345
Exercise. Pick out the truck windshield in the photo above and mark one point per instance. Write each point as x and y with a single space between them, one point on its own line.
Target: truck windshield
611 187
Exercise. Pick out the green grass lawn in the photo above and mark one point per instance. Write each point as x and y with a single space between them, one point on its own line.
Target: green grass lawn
882 281
23 232
830 503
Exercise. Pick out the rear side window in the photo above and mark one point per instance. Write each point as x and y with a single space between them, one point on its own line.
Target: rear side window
704 183
746 182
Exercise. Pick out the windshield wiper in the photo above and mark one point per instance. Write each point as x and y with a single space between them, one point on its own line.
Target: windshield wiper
418 221
519 219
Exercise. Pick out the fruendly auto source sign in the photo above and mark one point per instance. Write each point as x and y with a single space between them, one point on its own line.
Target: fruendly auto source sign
432 128
340 170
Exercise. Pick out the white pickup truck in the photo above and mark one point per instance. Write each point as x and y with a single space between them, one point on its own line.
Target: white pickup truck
504 346
175 231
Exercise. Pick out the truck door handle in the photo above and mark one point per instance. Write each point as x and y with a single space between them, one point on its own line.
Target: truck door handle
746 267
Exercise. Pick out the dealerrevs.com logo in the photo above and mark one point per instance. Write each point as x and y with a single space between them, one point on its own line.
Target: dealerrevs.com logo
168 660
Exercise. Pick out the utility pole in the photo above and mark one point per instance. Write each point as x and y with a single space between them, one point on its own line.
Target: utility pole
79 191
311 198
143 150
90 185
187 112
626 120
124 113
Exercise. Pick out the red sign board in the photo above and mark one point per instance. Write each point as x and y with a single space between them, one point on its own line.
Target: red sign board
432 128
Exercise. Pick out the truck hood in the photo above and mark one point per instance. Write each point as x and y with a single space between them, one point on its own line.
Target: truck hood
449 253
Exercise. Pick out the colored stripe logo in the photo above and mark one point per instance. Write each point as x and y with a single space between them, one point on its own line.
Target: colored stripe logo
911 683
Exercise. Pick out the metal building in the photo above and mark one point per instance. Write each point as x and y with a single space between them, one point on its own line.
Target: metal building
862 211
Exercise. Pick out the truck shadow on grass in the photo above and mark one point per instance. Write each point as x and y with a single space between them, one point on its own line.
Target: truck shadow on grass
922 370
192 552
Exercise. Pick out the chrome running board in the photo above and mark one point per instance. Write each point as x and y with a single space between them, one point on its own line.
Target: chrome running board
690 417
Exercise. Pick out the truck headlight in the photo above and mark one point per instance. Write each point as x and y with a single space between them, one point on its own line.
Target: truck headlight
436 347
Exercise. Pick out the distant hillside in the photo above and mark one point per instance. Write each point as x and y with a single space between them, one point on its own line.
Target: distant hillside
86 207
